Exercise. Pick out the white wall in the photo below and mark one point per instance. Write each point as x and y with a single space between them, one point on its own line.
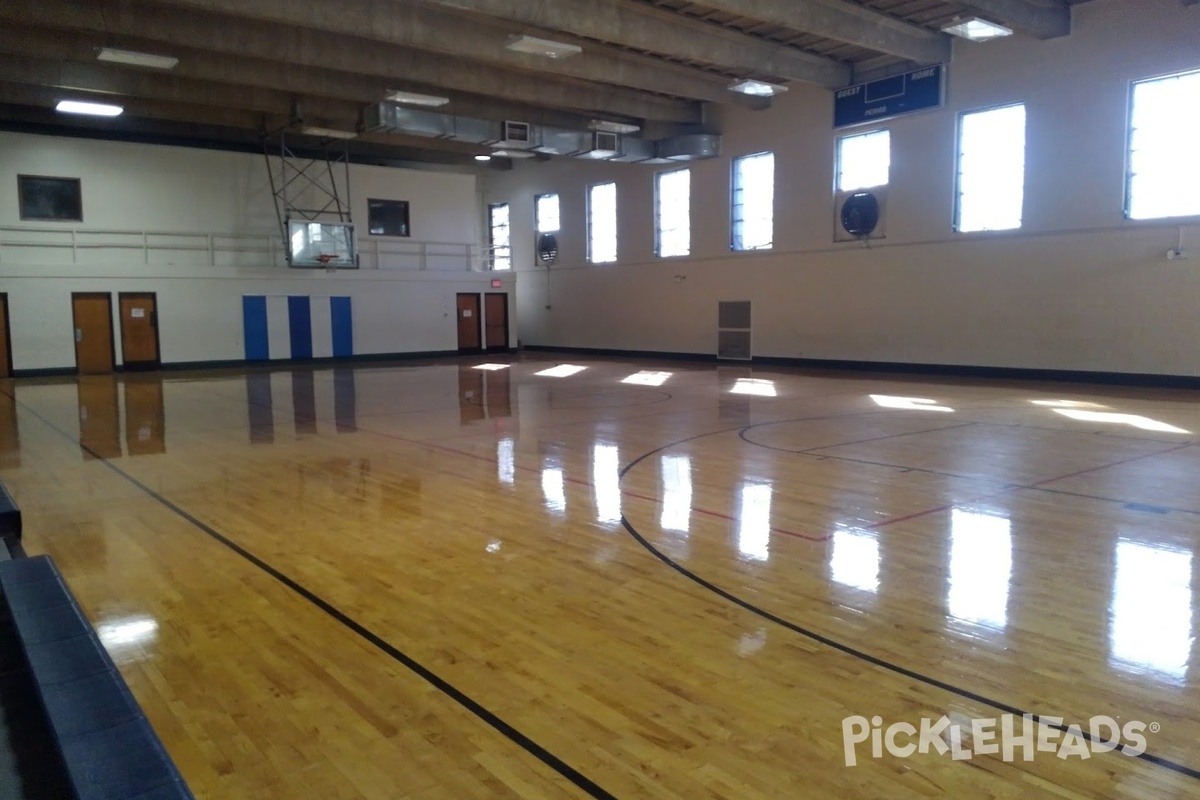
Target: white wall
226 196
1078 288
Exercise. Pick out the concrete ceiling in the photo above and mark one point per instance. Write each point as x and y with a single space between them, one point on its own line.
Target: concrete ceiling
249 67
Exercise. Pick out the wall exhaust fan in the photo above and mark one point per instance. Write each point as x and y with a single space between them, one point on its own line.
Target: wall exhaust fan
547 248
860 215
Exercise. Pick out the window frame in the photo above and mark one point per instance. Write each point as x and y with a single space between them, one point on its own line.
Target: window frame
1127 207
26 184
733 205
837 160
658 229
537 221
492 237
380 202
956 211
591 257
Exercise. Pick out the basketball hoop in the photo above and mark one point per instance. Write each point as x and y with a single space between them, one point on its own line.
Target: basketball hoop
325 259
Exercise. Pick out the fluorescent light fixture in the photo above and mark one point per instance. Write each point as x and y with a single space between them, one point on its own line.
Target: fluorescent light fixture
415 98
756 88
976 29
327 133
608 126
542 47
91 109
491 367
561 371
136 59
908 403
482 157
755 386
513 154
1133 420
647 378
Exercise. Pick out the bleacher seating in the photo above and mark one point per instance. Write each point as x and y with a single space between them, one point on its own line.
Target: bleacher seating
106 745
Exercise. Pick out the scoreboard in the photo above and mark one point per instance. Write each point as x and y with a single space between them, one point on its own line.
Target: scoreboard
889 97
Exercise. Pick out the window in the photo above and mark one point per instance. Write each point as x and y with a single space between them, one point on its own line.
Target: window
673 212
863 160
545 213
50 199
1164 162
387 217
602 223
754 202
991 169
498 236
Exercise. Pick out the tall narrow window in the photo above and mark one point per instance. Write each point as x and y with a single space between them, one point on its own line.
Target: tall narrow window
863 160
1164 161
602 223
754 202
499 236
673 212
545 213
991 169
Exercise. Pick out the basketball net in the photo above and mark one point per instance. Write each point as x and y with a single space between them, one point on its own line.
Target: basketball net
327 261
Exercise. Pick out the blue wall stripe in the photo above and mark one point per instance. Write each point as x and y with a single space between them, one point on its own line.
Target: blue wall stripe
343 329
300 326
254 328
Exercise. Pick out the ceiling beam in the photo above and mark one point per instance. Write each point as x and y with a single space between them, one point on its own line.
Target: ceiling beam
81 47
844 22
30 108
66 77
38 102
664 33
410 26
1039 20
403 68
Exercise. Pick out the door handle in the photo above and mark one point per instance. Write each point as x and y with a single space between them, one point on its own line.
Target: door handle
79 334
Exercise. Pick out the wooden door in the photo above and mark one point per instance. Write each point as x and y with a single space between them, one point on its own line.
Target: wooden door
139 329
145 420
92 313
496 311
5 340
468 323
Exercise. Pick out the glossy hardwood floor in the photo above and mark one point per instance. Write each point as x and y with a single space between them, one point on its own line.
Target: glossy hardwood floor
435 581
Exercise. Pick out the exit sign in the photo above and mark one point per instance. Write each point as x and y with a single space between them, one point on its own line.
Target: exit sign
496 283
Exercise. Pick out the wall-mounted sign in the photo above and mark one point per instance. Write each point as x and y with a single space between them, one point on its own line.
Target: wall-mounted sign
889 97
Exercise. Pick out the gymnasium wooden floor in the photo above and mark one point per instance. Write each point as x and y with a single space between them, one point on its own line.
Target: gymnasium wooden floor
433 581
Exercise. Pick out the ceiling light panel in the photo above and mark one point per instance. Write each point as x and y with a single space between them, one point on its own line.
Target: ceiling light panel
547 48
89 109
136 59
976 29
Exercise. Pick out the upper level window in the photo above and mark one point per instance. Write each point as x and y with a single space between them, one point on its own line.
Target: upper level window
753 211
545 213
991 169
673 212
602 223
863 160
499 236
1164 160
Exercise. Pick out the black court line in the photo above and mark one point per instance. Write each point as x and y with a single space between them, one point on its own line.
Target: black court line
808 633
590 787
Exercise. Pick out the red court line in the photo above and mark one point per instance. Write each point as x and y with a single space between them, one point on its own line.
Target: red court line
580 482
1015 488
